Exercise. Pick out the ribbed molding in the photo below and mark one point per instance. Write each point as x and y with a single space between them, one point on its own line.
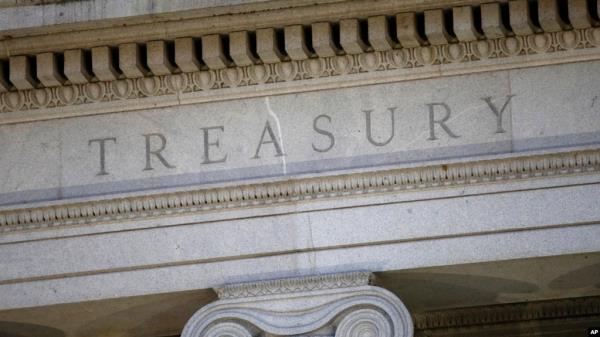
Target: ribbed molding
294 190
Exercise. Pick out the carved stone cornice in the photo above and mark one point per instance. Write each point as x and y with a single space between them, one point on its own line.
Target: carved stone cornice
354 309
508 313
297 76
257 63
298 189
222 18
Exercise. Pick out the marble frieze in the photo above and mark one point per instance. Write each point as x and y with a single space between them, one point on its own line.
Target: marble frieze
305 133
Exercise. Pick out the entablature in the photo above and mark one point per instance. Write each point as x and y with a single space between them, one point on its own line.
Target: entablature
277 50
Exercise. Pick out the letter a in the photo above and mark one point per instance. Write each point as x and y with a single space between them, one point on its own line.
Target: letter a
272 140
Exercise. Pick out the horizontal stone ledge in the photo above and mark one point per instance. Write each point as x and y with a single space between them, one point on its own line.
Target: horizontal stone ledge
294 190
415 254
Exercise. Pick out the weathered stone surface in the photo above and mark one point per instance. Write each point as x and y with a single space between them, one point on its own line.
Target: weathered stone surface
186 57
350 38
491 21
75 68
464 26
319 149
322 40
311 132
21 73
47 70
579 15
130 62
464 286
549 16
406 26
464 225
435 27
379 35
158 60
295 44
103 65
240 49
520 18
81 11
212 52
266 46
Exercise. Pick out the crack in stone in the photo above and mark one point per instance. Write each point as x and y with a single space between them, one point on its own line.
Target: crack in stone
272 114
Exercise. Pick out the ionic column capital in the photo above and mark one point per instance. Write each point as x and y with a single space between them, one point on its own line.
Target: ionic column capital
338 305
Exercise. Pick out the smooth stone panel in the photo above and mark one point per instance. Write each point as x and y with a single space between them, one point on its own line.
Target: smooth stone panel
386 256
205 242
549 118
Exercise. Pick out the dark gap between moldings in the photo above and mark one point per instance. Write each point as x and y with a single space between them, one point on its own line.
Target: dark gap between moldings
170 48
392 30
280 42
307 32
143 54
198 53
114 53
594 11
420 22
32 62
449 22
4 72
335 35
477 19
87 61
225 46
505 16
363 29
253 45
533 13
563 11
60 64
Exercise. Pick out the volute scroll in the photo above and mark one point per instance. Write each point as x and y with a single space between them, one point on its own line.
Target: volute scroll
306 307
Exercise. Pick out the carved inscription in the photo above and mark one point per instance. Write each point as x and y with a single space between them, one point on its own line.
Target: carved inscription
155 152
309 134
155 146
102 151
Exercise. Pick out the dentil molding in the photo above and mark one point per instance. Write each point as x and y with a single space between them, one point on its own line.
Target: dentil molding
386 47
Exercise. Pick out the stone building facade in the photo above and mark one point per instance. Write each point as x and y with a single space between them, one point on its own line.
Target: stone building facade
343 168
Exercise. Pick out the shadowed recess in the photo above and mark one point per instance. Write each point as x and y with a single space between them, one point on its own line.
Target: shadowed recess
15 329
578 278
429 291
